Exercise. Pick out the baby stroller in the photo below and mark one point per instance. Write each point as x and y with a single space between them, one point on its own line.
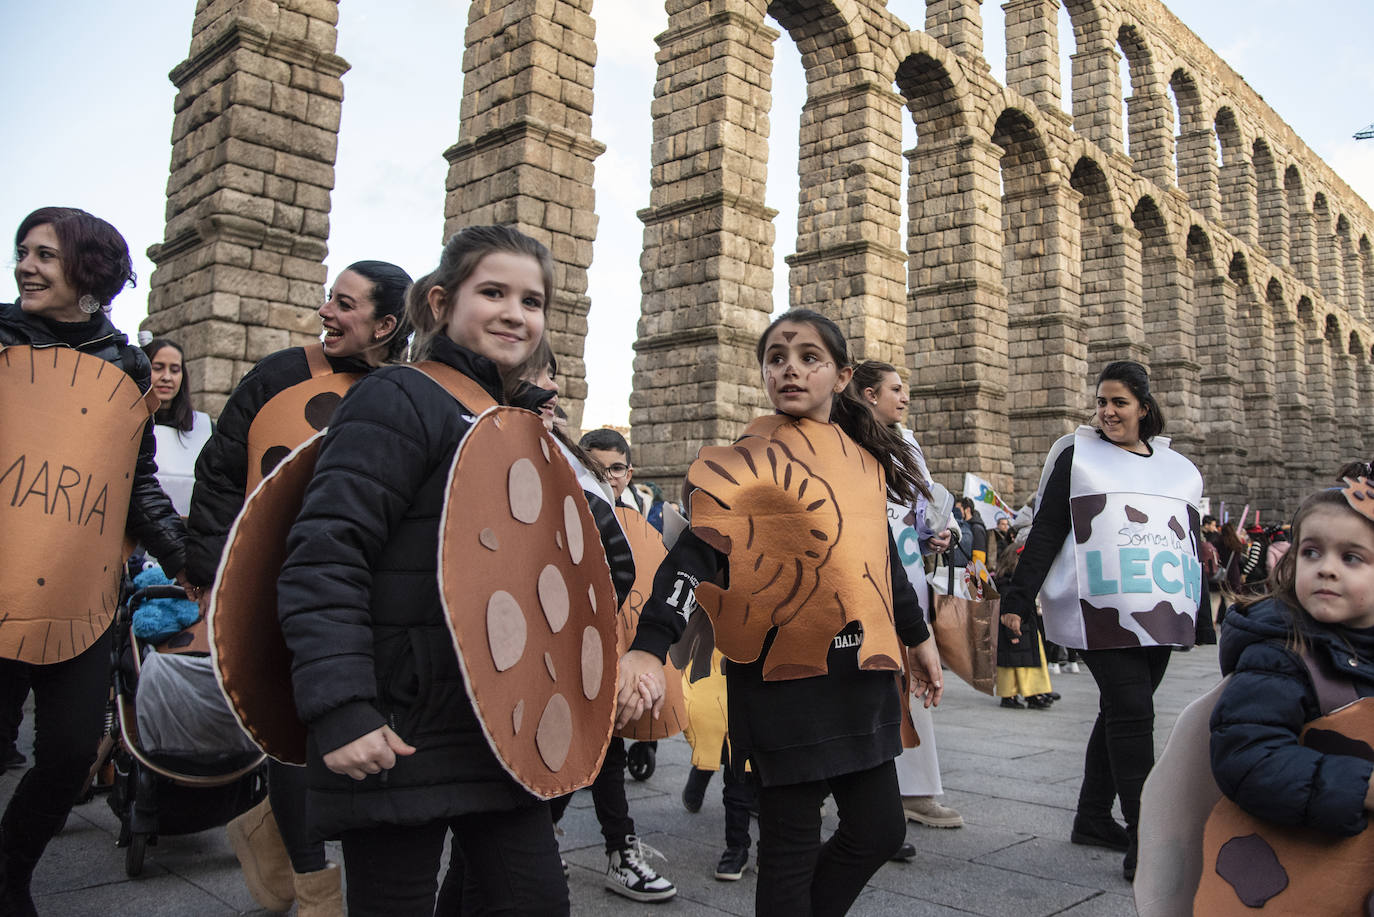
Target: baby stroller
159 794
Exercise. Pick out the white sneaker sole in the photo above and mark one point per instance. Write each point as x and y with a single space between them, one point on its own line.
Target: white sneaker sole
630 893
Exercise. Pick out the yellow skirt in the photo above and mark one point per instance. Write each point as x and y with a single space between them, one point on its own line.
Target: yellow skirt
1025 680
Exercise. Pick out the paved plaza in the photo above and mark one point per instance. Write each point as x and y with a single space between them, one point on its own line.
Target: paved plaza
1013 774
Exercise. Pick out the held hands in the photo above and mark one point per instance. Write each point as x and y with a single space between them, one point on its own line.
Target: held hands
640 687
371 753
926 682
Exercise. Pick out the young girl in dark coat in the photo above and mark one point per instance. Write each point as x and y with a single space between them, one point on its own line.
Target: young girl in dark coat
831 734
397 756
1322 603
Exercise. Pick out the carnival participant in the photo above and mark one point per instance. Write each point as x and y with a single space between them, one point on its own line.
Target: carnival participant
181 431
69 266
813 702
1298 655
1123 608
364 326
880 386
375 667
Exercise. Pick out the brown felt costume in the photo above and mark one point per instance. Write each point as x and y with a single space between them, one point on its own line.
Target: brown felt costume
295 414
537 650
648 550
1251 865
72 425
808 552
251 658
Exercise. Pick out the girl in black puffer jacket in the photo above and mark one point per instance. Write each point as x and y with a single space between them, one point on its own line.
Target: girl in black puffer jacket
69 265
1323 605
374 665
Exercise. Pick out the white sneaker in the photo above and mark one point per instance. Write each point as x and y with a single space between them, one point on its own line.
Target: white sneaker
628 873
1054 668
1073 667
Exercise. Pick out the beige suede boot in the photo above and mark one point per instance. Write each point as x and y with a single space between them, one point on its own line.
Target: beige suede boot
320 893
262 855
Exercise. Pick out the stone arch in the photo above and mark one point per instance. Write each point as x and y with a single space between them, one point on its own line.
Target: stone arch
1047 355
1256 373
1302 250
1348 267
956 304
1272 210
1214 297
1236 177
1150 141
1096 78
1169 317
1328 260
1349 424
849 260
1196 158
1109 283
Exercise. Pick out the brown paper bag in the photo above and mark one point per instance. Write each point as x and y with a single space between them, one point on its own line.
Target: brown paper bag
965 632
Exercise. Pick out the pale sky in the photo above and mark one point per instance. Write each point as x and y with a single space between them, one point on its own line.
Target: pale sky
88 112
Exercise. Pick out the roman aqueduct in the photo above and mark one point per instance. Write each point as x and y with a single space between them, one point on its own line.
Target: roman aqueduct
1226 256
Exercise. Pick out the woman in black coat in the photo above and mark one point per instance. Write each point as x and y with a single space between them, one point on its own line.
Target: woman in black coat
69 265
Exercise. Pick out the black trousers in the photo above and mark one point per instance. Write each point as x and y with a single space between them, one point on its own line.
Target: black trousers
608 796
69 715
798 875
740 794
510 857
288 787
1121 749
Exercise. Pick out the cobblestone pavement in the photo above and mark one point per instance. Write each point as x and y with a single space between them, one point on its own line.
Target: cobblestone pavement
1014 775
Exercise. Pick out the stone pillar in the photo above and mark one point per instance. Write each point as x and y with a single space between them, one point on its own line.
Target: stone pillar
1112 294
1264 460
1239 193
1152 141
1033 50
957 344
708 239
1295 411
1170 326
958 25
1228 440
1045 333
1349 434
1197 171
240 271
525 153
849 262
1324 447
1097 105
1273 220
1302 247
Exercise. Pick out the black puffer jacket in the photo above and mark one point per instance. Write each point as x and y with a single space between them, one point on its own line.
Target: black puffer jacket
222 468
360 608
1256 758
152 518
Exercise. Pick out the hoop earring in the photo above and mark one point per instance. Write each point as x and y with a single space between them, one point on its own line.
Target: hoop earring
88 304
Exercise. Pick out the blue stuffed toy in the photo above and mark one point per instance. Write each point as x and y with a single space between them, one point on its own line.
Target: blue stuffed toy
157 619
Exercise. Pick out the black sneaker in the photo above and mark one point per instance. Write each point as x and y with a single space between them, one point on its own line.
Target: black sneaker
732 864
628 873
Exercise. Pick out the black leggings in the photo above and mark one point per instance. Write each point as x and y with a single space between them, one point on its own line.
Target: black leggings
798 875
511 859
287 786
1121 749
608 797
69 716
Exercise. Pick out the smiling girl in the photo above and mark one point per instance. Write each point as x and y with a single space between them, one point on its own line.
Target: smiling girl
181 431
794 518
397 756
1098 482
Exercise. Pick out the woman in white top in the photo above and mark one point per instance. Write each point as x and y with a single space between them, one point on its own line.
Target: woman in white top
180 431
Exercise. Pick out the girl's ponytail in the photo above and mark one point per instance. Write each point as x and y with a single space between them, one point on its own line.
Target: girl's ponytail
904 478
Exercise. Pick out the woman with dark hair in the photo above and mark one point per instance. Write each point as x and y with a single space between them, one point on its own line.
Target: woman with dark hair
1113 556
69 265
365 326
181 431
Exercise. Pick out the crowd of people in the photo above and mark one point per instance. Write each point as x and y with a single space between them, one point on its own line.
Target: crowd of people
808 546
